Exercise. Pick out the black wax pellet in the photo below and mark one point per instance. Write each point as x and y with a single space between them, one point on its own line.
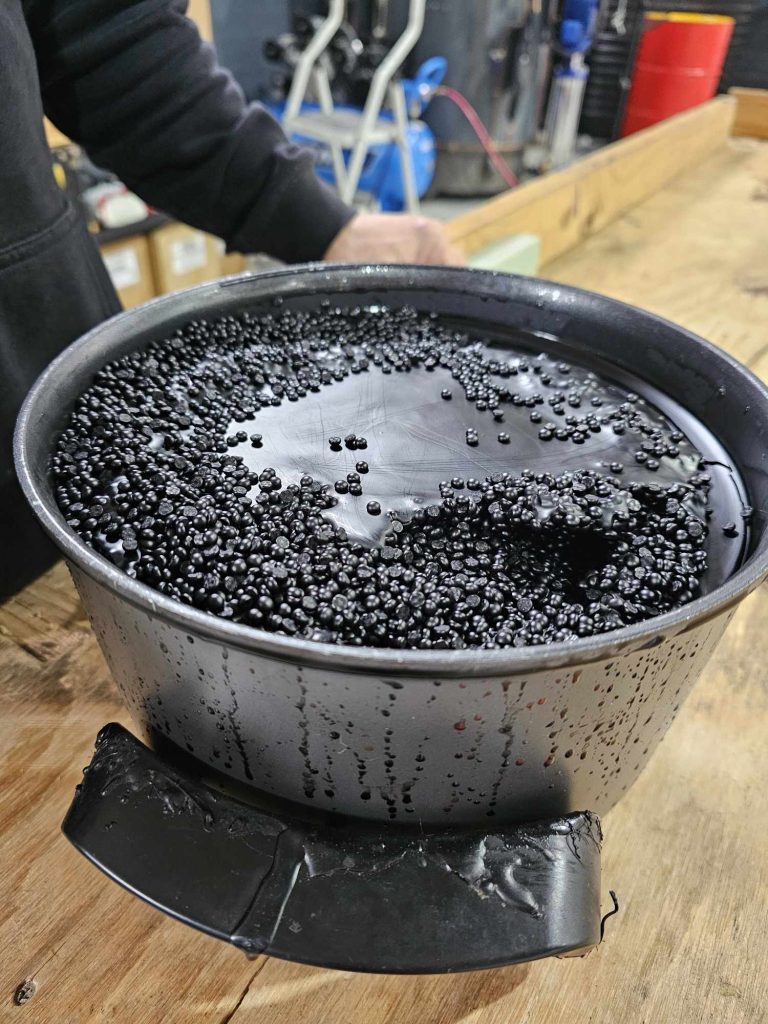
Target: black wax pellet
504 437
148 472
446 393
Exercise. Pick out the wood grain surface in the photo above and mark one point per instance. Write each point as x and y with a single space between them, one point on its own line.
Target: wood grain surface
751 112
686 850
569 206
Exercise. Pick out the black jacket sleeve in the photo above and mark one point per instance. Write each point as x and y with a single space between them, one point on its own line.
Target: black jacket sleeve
133 83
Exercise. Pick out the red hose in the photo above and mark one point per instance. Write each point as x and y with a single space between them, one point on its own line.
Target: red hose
481 132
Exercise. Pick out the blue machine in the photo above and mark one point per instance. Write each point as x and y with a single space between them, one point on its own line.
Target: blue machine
382 175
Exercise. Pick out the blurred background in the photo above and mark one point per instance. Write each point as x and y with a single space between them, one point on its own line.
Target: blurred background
432 105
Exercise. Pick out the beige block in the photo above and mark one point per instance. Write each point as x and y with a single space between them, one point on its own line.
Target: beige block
130 267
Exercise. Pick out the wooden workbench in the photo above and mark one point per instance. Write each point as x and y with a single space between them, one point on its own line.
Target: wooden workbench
686 850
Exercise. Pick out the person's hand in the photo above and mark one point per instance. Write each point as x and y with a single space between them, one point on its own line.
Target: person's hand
393 238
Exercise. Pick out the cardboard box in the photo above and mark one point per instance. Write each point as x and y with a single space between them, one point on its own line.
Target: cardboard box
182 257
231 263
130 267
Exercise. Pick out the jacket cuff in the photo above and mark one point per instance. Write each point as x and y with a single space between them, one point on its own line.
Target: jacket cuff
303 218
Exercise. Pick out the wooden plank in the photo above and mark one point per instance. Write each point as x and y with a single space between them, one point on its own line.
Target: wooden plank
751 112
55 693
685 850
696 253
569 206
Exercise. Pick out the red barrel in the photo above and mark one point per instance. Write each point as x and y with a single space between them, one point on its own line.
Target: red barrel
678 65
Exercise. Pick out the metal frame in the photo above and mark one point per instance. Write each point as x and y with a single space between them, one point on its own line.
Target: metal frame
310 69
383 87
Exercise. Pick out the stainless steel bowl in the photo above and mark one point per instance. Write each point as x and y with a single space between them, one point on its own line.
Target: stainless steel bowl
374 733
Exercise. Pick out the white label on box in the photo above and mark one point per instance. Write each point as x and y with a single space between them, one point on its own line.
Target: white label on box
188 254
123 267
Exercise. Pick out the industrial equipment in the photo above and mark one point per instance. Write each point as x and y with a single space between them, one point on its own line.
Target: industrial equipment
569 78
498 54
348 132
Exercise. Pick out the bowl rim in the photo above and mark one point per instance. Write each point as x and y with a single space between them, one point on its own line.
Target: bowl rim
383 661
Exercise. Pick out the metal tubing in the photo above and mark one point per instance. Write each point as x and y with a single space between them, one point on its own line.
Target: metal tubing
337 10
397 99
323 87
379 85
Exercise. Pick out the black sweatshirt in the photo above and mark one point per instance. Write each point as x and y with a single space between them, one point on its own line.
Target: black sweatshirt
131 81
